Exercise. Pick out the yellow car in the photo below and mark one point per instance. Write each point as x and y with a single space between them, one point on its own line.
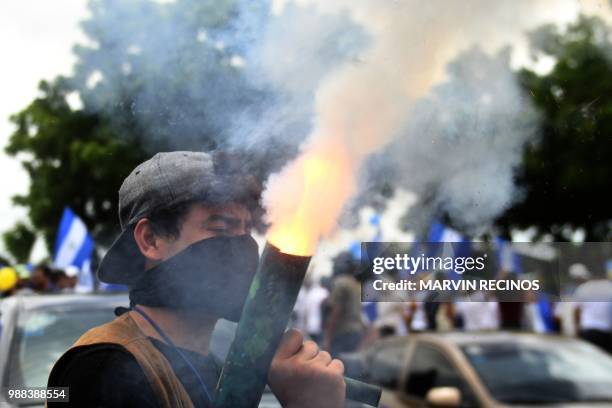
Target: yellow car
496 369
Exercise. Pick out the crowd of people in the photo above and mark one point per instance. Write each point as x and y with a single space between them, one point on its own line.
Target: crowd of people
40 278
331 311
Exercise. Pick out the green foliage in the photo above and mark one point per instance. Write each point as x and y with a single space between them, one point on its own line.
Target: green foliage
566 172
74 159
155 72
19 242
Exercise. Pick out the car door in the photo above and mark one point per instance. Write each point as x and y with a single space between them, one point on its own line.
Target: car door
430 366
385 366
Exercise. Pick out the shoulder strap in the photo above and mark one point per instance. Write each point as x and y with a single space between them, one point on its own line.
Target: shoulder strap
125 332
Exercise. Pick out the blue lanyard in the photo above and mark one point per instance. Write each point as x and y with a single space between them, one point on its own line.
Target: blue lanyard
171 343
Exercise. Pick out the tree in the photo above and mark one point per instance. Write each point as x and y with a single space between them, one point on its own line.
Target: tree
19 242
143 80
566 171
73 158
158 76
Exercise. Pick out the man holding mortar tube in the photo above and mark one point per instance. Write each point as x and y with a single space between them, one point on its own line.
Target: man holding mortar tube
188 258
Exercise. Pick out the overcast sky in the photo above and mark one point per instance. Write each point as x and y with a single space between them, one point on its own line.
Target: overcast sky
36 40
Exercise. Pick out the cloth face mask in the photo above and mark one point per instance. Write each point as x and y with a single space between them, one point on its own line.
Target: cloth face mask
212 275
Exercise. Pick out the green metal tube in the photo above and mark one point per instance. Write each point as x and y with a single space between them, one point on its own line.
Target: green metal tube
264 319
362 392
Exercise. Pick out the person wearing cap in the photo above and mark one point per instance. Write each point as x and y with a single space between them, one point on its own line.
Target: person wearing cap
187 256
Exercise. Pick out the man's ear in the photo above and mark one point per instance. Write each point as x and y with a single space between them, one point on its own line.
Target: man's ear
148 242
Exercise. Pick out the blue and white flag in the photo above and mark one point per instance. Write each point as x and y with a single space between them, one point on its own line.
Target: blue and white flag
507 258
74 247
370 311
439 232
355 246
375 221
454 244
85 281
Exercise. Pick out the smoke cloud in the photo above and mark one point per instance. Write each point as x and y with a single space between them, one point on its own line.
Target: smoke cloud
424 85
462 140
476 123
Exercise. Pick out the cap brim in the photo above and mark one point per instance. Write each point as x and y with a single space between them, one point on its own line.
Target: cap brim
123 263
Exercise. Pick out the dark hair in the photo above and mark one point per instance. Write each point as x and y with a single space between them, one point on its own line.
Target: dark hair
46 270
167 222
344 264
55 275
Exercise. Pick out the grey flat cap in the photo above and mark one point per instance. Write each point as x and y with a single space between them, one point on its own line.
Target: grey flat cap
162 182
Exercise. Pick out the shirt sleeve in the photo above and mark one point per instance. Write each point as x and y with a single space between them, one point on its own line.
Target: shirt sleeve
101 375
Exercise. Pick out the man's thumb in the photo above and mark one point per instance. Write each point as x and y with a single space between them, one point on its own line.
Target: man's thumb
290 344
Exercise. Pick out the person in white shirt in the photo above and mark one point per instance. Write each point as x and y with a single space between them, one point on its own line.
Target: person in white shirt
313 316
565 310
593 312
298 317
478 312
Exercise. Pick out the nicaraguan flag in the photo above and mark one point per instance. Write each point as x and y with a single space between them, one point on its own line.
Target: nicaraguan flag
355 246
439 232
507 258
85 281
74 246
375 221
370 311
453 243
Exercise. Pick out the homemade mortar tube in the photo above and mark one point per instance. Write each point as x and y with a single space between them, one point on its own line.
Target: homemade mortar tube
264 319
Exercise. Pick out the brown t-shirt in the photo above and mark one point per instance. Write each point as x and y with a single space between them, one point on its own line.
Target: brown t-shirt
346 298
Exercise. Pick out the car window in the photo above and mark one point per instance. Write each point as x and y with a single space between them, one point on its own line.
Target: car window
41 337
542 372
430 368
386 364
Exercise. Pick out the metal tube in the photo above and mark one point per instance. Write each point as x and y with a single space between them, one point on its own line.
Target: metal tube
264 319
359 391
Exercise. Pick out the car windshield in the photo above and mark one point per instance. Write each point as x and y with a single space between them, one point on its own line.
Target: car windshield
41 337
543 372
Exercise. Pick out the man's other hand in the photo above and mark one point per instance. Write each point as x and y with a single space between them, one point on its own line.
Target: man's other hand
302 376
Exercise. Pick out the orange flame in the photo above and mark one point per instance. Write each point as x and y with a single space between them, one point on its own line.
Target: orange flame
305 199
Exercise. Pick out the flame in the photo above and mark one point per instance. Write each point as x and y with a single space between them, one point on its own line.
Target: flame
305 199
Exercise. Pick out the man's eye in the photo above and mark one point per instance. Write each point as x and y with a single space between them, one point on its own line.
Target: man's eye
218 230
